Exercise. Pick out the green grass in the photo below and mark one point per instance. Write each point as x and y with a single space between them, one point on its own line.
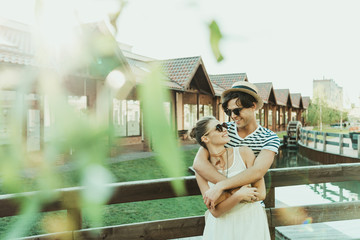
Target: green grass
133 170
331 130
281 134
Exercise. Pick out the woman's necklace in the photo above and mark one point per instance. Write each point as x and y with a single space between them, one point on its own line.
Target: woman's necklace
220 160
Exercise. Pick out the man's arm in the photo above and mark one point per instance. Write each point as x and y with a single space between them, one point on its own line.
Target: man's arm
253 174
204 168
244 194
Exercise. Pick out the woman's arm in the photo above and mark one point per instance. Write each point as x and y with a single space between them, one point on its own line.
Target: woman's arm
249 158
245 193
253 174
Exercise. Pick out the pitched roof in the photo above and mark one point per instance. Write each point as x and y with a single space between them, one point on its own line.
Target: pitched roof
141 68
218 90
306 102
227 80
16 45
182 71
265 90
296 100
282 96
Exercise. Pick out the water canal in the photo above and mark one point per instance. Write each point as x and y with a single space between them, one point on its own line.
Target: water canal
315 194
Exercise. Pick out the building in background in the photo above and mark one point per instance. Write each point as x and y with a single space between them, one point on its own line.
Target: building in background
328 91
193 92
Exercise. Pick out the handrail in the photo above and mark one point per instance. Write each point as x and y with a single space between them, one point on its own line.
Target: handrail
305 139
161 188
193 226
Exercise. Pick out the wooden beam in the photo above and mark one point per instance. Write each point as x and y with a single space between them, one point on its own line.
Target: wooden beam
156 230
316 213
313 174
162 188
193 226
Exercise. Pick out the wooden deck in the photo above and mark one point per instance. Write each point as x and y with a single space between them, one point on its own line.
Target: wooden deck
337 230
318 231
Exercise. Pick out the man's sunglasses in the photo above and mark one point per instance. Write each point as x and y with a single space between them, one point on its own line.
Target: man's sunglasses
236 111
219 127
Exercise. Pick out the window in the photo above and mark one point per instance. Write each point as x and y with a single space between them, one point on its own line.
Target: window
33 130
190 116
133 118
126 117
167 109
206 110
78 102
7 101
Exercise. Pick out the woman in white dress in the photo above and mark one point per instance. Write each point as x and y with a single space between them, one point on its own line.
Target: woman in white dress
239 215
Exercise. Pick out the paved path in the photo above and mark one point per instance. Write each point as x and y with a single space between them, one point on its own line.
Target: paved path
139 155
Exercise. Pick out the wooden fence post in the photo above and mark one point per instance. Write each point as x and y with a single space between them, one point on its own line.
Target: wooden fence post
315 140
270 203
324 190
74 218
341 144
307 138
324 141
358 145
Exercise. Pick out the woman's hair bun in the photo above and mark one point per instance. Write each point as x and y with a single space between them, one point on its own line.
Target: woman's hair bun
193 132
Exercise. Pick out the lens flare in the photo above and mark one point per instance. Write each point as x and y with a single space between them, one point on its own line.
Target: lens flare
308 220
116 79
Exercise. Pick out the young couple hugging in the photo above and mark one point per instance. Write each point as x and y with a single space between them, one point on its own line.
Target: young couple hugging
230 166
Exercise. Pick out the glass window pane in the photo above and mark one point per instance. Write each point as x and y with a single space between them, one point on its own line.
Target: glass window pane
78 102
119 117
208 111
193 115
33 130
201 111
7 101
167 110
133 118
190 116
186 116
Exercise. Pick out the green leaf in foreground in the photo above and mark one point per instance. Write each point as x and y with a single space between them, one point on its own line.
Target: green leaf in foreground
215 37
158 129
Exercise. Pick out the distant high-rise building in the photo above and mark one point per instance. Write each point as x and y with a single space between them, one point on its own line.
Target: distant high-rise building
328 91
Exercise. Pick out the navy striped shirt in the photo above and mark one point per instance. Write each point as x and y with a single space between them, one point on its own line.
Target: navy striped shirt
261 138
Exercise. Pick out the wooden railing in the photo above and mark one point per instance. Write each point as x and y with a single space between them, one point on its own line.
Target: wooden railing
326 139
193 226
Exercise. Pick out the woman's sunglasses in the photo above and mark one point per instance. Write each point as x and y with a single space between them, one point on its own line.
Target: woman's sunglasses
236 111
219 127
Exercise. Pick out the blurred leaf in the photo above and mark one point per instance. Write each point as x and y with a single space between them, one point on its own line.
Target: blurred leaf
94 180
215 37
27 214
95 193
162 136
115 16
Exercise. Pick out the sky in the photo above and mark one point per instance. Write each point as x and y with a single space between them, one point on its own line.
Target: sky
289 43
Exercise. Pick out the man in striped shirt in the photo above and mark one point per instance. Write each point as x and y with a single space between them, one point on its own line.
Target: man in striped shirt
240 102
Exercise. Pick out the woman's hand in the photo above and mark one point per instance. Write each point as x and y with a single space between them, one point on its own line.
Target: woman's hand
211 196
247 194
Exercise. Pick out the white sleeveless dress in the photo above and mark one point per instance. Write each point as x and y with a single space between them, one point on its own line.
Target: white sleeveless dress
246 221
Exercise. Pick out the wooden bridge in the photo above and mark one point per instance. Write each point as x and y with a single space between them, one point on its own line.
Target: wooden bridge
193 226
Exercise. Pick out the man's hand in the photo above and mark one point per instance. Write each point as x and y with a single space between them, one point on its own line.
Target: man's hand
212 195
